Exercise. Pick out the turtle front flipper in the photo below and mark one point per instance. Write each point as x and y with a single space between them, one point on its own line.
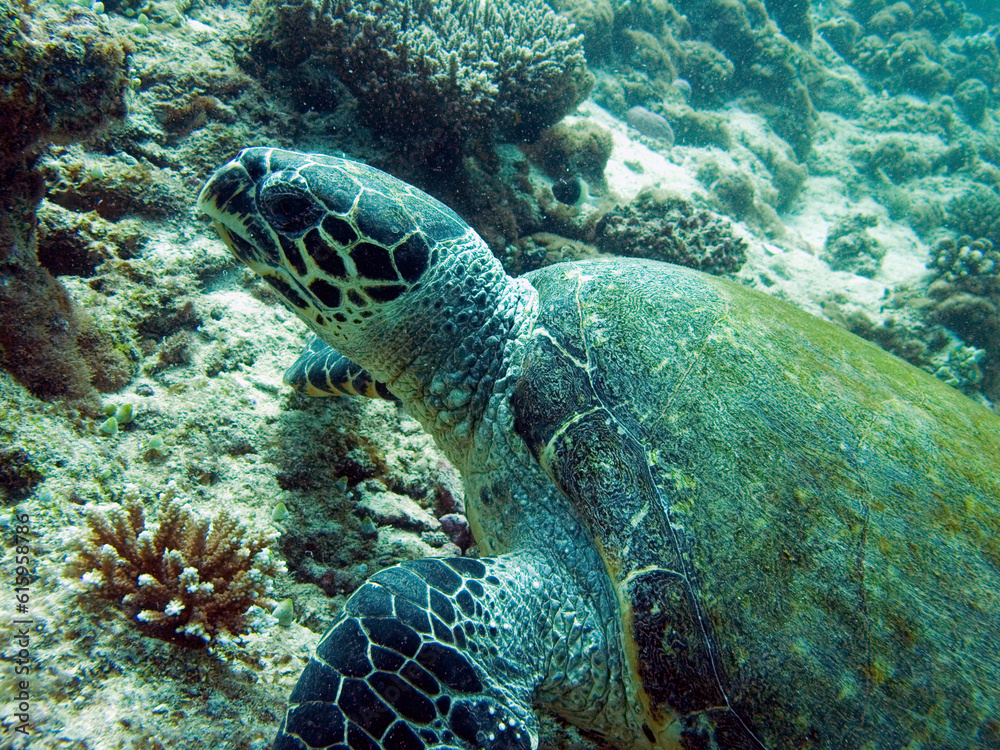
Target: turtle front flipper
323 371
452 653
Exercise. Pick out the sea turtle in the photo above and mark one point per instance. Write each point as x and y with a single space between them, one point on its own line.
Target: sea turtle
707 519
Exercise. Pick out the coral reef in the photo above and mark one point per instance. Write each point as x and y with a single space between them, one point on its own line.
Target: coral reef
926 48
63 76
849 247
181 578
972 265
659 226
976 213
578 149
966 291
543 249
433 75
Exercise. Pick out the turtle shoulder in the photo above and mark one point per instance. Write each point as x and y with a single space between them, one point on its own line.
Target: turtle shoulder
786 511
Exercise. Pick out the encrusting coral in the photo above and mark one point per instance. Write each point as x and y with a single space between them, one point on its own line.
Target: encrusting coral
434 74
663 227
181 577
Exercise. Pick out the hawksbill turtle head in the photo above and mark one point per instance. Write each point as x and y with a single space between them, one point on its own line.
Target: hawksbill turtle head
387 275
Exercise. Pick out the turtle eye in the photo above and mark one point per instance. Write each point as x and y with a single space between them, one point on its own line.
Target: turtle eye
288 208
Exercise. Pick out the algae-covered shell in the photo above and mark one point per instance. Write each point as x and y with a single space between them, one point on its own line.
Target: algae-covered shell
804 532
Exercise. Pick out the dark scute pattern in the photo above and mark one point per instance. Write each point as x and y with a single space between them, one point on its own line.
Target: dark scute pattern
437 574
292 254
420 678
241 203
339 230
382 219
318 724
441 631
470 719
287 742
286 291
373 262
408 702
345 649
450 666
441 606
358 740
386 660
475 588
392 634
403 582
225 186
260 238
326 293
243 249
254 161
316 683
370 601
467 566
466 603
364 708
326 258
401 737
385 293
665 612
731 732
409 614
411 257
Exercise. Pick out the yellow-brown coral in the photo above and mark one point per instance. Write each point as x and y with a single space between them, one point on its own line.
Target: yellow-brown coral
182 578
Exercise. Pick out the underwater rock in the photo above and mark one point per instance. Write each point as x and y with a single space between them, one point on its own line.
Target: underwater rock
72 81
973 97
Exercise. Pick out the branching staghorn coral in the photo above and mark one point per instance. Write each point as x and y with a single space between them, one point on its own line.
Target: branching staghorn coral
182 577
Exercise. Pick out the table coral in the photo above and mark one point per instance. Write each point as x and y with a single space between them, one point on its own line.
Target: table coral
435 74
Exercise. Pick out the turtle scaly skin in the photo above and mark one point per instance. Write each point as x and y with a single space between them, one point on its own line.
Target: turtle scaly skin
712 520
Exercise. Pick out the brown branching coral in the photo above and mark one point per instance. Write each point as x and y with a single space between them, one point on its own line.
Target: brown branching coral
182 578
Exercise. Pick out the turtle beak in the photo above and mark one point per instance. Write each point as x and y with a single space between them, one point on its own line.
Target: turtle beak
228 198
228 193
